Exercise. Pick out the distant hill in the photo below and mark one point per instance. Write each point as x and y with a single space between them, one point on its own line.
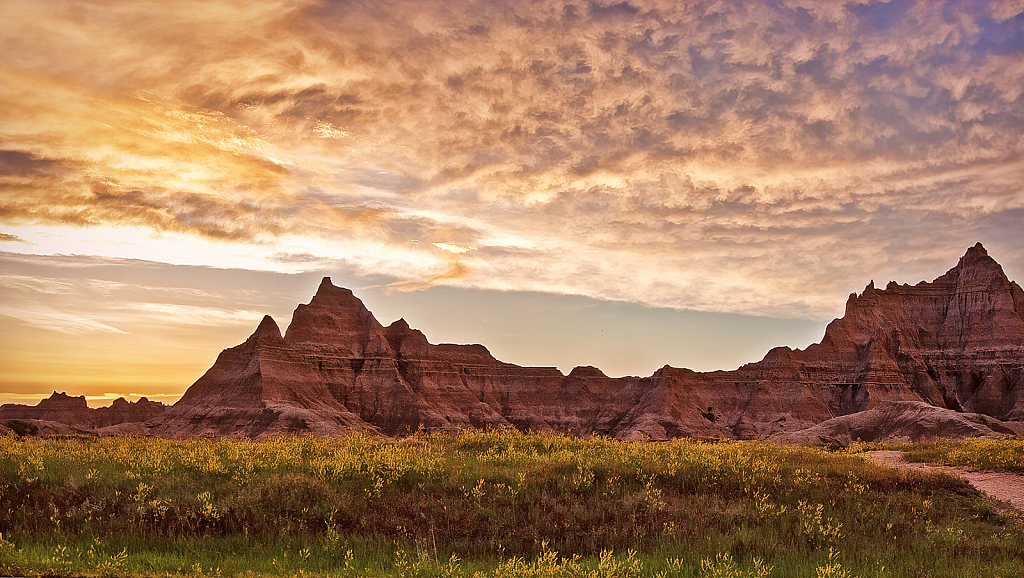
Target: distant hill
64 414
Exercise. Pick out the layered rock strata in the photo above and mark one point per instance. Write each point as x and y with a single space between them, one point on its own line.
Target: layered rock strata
955 343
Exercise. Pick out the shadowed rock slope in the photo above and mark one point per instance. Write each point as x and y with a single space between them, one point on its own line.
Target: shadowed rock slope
956 343
61 413
899 421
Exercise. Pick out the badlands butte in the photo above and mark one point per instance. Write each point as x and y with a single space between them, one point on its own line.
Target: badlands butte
938 359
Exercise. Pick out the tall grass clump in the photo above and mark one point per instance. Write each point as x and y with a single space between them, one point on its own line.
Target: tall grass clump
482 503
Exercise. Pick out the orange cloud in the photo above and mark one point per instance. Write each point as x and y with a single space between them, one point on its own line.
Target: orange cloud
629 147
11 238
456 270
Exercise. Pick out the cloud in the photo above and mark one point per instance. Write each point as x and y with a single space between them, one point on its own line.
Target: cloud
54 320
28 284
194 315
452 247
632 148
455 271
75 295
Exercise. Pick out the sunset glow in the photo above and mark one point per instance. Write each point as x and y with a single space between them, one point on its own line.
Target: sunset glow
171 171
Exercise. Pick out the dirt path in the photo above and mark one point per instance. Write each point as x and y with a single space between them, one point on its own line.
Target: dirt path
1004 486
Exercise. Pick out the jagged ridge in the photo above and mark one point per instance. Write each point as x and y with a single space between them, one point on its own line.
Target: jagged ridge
956 343
74 412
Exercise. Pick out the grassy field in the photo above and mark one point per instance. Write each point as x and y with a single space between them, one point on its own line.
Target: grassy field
1003 455
483 503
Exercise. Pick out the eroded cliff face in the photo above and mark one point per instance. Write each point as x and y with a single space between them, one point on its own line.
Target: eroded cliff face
337 369
956 343
74 412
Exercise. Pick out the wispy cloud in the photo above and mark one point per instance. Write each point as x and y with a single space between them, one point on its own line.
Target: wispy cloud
455 271
731 156
76 295
190 314
42 317
25 284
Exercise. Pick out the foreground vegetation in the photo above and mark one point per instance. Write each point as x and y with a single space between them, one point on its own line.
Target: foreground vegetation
483 503
1001 455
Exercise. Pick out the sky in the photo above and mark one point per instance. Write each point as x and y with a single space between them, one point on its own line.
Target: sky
619 184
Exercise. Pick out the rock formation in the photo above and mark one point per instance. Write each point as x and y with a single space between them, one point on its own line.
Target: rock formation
337 369
956 343
898 421
73 413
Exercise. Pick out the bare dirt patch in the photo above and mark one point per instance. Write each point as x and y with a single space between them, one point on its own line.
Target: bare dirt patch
1004 486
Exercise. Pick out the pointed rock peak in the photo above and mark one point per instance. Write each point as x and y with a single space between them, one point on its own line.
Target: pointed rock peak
977 259
267 329
329 294
400 330
336 319
268 324
975 255
328 288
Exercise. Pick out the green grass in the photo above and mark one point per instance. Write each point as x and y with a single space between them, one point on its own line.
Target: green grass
1002 455
483 503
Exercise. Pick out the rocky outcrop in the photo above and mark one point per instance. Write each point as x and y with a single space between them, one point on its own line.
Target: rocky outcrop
73 412
956 343
898 421
59 407
337 368
123 411
259 388
39 427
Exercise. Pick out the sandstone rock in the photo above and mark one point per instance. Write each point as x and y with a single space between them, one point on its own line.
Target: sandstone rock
59 407
259 388
124 411
337 369
898 421
76 413
128 428
40 427
956 343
